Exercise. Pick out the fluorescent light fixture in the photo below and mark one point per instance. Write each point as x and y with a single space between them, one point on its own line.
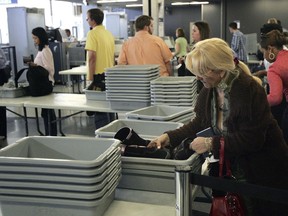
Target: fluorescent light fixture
190 3
134 5
115 1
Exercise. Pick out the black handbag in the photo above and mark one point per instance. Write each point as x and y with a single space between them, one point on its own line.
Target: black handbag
229 204
38 79
134 146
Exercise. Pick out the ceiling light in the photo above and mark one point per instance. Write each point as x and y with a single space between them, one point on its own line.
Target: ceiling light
115 1
190 3
134 5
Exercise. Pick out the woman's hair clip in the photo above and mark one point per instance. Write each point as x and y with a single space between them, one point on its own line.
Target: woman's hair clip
236 61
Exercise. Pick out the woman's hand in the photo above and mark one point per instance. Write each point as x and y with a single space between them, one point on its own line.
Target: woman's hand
201 144
160 141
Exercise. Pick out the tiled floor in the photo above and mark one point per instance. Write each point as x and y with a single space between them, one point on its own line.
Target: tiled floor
83 125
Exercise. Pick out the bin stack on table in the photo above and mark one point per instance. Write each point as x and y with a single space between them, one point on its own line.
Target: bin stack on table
163 113
128 86
149 174
59 176
174 91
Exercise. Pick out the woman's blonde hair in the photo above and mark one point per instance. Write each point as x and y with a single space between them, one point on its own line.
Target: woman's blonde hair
212 54
272 20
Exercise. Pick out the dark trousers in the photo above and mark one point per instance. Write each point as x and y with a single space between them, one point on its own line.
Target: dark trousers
3 122
100 118
182 69
50 123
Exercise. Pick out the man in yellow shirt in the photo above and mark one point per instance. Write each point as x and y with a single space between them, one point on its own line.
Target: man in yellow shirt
146 48
100 55
99 45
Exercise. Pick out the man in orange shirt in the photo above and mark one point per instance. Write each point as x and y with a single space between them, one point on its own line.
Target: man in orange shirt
145 48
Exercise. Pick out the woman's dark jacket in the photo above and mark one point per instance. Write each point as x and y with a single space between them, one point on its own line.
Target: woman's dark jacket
254 138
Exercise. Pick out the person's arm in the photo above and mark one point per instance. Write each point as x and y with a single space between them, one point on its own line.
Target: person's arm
168 68
174 137
122 58
177 49
91 64
261 74
276 87
167 56
48 62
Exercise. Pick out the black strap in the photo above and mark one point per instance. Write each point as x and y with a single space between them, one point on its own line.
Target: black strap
247 189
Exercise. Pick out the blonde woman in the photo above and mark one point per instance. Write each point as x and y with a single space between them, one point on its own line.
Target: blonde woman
235 106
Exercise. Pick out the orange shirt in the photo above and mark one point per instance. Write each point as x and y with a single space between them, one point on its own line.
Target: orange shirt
145 48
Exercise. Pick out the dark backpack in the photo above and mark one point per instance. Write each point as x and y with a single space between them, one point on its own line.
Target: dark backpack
38 79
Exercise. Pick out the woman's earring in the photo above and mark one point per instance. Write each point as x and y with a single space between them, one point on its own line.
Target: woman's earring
271 56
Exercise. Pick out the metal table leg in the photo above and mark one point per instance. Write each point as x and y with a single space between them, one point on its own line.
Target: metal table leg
60 123
183 199
37 122
26 121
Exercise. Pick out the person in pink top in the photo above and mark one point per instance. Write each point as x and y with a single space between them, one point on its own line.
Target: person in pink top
145 48
277 76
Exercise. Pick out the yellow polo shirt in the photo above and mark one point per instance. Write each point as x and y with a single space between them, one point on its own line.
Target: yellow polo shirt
101 41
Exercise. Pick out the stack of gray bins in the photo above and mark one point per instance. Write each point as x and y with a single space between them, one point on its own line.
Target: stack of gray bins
59 176
174 91
128 86
163 113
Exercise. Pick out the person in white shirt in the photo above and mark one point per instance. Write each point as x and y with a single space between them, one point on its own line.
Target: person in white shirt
44 58
70 38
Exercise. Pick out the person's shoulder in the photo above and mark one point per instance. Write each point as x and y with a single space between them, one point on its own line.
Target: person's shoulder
183 39
46 49
239 33
157 39
109 33
89 35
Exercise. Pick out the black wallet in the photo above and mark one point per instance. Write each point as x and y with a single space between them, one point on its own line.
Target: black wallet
208 132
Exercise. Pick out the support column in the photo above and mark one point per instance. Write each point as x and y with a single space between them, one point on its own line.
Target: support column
151 8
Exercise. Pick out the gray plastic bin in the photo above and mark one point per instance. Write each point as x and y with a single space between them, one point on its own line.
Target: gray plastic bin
124 104
28 206
13 92
145 129
156 175
95 95
159 113
59 151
